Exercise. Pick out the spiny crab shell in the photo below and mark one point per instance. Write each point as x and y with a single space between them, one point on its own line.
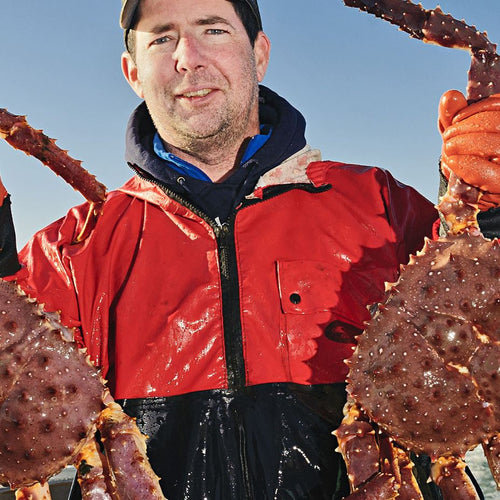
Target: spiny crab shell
50 394
426 370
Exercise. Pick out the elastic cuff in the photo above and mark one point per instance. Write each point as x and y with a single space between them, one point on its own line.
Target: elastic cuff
3 193
489 222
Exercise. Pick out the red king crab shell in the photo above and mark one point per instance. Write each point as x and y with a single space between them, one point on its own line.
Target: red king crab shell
426 369
50 394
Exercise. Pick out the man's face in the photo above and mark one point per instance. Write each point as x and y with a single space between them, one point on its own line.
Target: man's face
197 71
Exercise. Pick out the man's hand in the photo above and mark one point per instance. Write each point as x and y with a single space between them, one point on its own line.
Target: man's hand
471 143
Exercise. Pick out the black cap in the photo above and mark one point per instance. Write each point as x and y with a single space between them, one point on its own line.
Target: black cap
129 8
254 7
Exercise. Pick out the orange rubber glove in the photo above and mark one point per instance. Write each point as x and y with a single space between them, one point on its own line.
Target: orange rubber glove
471 143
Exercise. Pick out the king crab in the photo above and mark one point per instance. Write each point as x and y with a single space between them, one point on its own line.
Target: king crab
52 399
425 372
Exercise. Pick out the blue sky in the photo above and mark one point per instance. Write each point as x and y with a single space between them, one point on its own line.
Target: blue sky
369 92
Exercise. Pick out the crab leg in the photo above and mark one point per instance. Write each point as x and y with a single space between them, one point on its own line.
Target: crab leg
449 474
434 26
36 492
431 26
16 131
358 446
459 207
399 464
93 475
492 453
125 448
375 466
380 486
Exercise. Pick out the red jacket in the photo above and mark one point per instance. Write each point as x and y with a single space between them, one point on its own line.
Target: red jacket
169 303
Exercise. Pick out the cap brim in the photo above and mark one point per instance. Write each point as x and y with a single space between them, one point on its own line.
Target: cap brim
255 11
127 14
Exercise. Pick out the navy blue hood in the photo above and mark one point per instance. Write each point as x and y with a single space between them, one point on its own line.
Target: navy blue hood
218 200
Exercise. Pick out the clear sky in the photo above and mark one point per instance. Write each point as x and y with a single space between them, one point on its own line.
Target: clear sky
369 92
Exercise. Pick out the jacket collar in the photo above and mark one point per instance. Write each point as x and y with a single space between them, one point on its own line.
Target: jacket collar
294 170
219 199
305 167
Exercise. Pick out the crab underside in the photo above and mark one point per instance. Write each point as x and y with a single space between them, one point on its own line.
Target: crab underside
426 369
52 401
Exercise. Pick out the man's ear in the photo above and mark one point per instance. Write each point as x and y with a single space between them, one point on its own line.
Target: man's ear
130 73
262 50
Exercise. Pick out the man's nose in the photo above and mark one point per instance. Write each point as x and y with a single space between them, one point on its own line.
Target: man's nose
188 55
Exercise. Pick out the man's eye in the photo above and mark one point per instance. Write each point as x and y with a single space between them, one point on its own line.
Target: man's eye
159 41
216 31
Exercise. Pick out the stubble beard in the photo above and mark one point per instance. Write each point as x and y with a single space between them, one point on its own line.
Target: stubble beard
209 135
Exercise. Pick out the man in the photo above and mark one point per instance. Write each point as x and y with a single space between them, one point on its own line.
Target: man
199 78
222 287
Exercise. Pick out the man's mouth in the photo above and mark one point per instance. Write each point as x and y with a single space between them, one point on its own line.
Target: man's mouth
197 93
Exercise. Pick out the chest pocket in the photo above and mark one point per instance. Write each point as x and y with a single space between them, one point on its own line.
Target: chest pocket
310 293
308 286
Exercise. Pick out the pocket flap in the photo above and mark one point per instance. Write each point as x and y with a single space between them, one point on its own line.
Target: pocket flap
307 286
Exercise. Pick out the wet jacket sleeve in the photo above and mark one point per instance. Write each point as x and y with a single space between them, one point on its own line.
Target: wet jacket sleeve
489 222
49 278
9 263
409 213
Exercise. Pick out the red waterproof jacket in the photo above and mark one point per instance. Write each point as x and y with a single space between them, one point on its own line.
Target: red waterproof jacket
168 302
226 341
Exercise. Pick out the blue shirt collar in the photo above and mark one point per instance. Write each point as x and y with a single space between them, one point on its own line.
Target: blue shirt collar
185 168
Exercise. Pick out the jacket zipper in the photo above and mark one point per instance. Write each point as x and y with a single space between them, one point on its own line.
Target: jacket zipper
230 286
230 289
